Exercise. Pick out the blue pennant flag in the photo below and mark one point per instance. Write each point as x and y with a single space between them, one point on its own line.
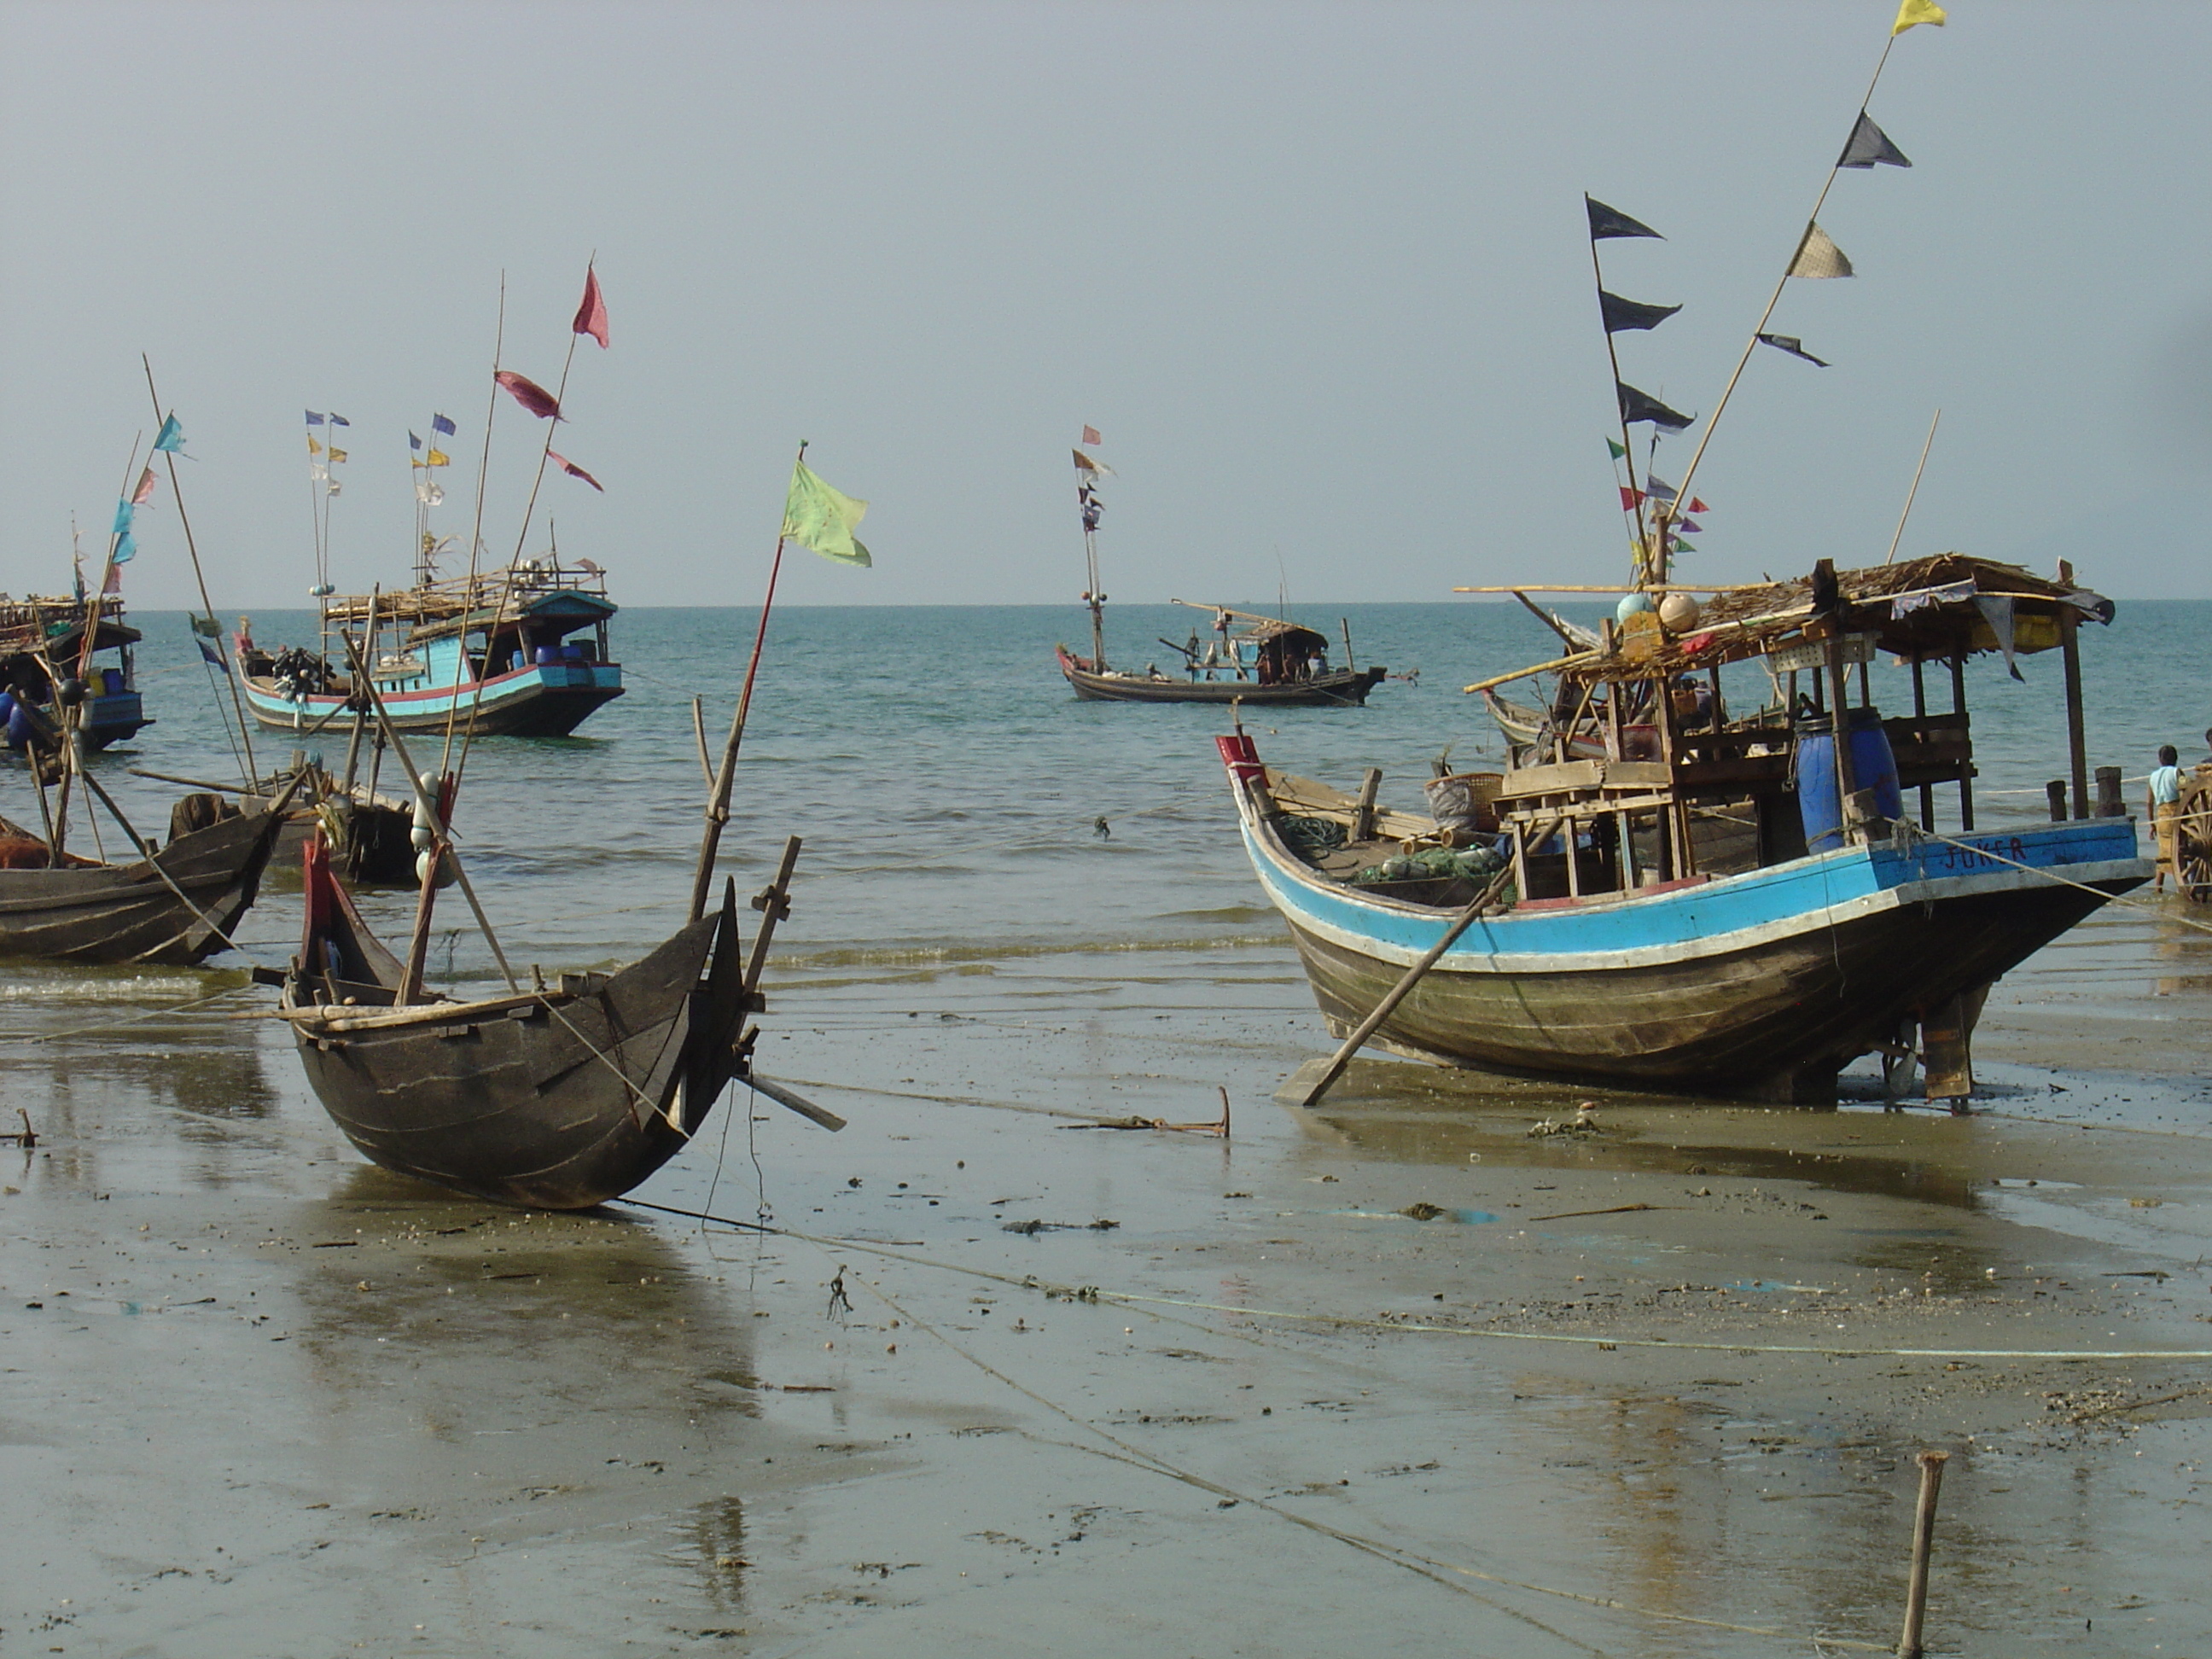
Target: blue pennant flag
414 442
209 654
125 513
337 419
126 549
313 419
439 423
171 439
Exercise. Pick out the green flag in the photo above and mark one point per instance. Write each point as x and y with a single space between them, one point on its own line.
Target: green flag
822 520
1615 449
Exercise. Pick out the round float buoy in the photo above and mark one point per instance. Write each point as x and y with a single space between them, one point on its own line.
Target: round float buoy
1629 605
1679 613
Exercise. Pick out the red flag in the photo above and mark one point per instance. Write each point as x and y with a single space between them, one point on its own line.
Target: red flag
531 395
1697 505
591 315
1090 435
1628 498
144 493
571 468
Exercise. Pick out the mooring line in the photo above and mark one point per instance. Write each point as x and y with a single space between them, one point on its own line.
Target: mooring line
1135 1298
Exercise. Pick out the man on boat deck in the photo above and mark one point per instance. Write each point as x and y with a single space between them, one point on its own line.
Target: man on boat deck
2164 800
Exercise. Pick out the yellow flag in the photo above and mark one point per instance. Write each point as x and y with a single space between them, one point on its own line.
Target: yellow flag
1917 11
439 458
822 520
313 448
336 454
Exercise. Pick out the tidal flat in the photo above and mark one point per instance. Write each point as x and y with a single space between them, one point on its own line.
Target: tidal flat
1391 1373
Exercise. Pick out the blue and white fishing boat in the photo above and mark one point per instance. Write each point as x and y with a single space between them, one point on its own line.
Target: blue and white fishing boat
518 652
1713 905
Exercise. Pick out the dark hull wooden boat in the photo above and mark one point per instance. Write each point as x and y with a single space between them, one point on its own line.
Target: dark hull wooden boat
556 1099
1341 688
122 913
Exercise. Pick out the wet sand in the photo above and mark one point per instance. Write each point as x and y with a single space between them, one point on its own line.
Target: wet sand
1654 1387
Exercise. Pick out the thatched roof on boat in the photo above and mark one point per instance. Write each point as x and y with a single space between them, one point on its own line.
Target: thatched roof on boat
1297 636
1946 604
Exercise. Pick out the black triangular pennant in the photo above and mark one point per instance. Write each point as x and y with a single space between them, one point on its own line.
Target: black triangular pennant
1605 221
1793 346
1637 406
1620 315
1871 145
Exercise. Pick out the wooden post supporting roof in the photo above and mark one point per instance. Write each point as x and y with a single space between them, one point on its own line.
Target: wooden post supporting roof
2077 752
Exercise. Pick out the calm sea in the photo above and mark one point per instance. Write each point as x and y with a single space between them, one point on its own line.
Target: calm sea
949 786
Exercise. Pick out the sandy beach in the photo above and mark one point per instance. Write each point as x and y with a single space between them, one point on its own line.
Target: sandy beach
1391 1373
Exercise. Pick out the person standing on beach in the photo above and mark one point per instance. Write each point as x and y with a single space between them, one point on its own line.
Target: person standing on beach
2164 801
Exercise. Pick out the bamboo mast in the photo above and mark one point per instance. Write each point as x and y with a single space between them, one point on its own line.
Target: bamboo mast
717 805
1628 450
199 575
1915 490
476 528
1713 420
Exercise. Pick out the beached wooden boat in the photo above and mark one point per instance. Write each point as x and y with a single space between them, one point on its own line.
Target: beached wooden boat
172 908
555 1097
496 653
35 633
1741 911
368 833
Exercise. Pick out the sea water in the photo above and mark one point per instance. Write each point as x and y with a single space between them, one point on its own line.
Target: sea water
957 802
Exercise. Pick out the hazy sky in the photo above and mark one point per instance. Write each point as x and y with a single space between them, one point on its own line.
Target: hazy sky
1318 272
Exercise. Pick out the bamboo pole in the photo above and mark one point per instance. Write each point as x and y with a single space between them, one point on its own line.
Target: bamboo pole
199 575
1561 587
1915 490
1579 659
476 525
2077 754
1413 977
1613 357
1713 420
1923 1538
718 804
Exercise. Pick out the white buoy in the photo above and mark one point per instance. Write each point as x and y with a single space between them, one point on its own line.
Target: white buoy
1679 613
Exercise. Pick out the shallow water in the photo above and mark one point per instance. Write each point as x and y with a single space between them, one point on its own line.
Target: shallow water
291 1404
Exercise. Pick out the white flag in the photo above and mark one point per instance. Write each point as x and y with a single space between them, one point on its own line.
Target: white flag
1819 257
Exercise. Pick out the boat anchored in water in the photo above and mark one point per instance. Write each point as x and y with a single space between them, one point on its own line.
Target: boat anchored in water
1263 660
41 637
518 652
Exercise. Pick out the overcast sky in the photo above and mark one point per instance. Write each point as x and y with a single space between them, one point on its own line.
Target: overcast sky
1318 272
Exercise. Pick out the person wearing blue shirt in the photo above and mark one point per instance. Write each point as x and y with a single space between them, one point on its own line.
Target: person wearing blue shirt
2164 800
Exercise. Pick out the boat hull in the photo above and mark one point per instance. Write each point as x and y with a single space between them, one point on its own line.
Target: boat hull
127 913
1341 688
545 700
558 1100
1761 985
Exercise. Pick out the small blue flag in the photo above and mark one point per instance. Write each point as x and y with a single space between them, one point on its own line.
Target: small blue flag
337 419
171 439
125 513
209 654
126 549
439 423
313 419
414 442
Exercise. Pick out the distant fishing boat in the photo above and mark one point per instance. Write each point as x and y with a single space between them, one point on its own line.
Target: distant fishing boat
517 652
42 638
1262 661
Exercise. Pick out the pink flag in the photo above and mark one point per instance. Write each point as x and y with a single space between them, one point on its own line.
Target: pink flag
571 468
114 582
591 315
531 395
1090 435
144 493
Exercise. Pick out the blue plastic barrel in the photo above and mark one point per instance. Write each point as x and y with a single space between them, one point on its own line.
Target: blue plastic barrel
111 680
572 653
548 654
1873 767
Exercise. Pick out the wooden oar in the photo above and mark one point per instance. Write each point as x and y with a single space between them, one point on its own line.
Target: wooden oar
1399 992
